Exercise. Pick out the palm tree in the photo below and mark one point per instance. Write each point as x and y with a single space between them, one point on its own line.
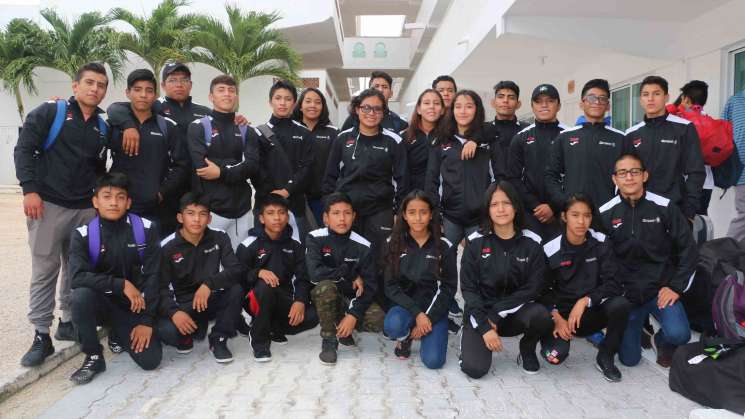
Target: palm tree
163 36
24 46
247 47
87 39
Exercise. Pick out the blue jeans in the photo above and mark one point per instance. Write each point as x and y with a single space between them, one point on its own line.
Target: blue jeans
674 330
397 326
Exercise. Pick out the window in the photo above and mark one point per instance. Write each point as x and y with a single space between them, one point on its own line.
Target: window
625 110
380 25
739 70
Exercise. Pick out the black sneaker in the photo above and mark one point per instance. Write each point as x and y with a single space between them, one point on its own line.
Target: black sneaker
92 365
114 346
403 349
219 349
262 353
65 331
604 364
647 333
347 341
529 361
328 351
279 339
185 344
453 327
242 327
201 332
40 349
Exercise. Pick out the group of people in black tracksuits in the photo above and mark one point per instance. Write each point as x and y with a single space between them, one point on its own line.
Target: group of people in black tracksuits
203 217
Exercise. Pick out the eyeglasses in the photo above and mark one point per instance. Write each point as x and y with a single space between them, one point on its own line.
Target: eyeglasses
179 81
633 172
594 99
366 109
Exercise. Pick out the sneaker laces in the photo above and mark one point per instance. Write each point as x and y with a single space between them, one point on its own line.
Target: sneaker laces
38 343
89 362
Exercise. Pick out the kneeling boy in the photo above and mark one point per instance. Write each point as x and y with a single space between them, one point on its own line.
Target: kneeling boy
114 263
198 282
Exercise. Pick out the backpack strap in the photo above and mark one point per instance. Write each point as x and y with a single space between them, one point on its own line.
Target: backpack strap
94 240
102 125
59 119
266 132
244 131
207 125
138 229
162 124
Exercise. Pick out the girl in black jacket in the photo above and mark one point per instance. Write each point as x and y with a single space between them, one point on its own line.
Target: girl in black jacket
421 134
584 295
502 273
421 278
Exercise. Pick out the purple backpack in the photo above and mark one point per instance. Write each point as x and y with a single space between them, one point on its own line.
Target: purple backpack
94 236
728 307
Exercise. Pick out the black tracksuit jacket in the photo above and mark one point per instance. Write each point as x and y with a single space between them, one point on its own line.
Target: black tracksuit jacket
417 154
342 258
459 185
185 267
322 138
574 272
65 174
371 170
528 159
391 121
653 244
161 166
285 162
230 194
183 114
583 159
118 260
498 276
427 278
671 151
285 257
499 133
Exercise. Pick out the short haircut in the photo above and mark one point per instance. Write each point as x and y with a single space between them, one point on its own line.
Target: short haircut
273 200
507 84
654 80
601 84
632 156
512 195
141 74
112 180
444 77
222 79
578 197
283 84
381 75
336 198
696 91
92 67
323 118
191 198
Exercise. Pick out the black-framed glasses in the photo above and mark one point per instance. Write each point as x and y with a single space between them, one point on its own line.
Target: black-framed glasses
366 109
633 172
595 99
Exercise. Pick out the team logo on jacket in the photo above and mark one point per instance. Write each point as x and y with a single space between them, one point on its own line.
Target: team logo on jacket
290 251
430 257
326 251
530 140
601 142
522 260
651 220
673 142
376 147
637 142
261 253
573 140
565 263
177 257
350 143
616 222
485 252
351 259
445 147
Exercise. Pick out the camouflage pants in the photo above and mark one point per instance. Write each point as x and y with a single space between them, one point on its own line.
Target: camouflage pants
331 307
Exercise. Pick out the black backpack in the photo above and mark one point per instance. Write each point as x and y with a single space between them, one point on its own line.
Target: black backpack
728 173
717 259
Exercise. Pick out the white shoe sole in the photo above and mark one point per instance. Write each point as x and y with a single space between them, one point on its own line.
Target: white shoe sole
224 361
262 359
184 351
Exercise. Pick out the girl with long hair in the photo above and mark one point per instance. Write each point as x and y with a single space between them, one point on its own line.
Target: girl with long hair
421 135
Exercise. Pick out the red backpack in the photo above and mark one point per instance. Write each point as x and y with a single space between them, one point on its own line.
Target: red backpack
717 142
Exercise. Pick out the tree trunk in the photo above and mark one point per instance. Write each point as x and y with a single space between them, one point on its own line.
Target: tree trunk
19 101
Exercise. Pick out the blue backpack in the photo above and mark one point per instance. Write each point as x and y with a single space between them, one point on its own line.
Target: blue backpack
207 125
94 236
59 120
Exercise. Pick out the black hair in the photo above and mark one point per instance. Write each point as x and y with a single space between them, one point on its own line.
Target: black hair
112 180
94 67
223 79
323 118
450 126
191 198
381 75
507 84
696 91
141 74
357 102
283 84
517 204
272 200
397 241
415 120
336 198
578 197
654 80
444 77
632 156
601 84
